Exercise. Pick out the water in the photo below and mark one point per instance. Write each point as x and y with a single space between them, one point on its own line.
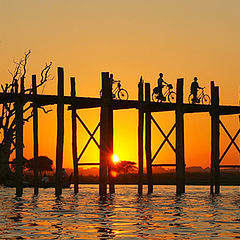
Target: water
123 215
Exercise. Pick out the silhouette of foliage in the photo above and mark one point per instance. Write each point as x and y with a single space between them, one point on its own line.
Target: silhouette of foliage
125 167
14 163
44 164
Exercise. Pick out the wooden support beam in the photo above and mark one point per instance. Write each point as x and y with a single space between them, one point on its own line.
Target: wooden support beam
35 137
60 132
88 164
110 160
88 131
105 124
229 166
159 107
89 140
217 163
232 141
165 139
74 138
148 140
180 161
229 135
214 140
164 165
140 136
19 139
230 144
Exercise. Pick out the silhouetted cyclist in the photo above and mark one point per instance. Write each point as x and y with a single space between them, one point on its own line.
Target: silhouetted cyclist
194 90
111 78
161 85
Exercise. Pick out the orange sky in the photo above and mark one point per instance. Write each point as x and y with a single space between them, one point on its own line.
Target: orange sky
128 38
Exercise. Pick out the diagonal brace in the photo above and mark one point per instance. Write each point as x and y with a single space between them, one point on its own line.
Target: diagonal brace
89 140
86 128
232 141
165 139
225 129
159 128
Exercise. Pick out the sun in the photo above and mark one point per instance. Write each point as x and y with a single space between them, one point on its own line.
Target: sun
115 158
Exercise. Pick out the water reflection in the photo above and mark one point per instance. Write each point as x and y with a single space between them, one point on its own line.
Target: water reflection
16 213
123 215
14 219
58 213
106 212
143 215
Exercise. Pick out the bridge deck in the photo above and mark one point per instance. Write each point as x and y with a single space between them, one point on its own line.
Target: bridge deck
88 102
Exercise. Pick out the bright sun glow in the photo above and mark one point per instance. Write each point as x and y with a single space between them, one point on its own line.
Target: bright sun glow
115 158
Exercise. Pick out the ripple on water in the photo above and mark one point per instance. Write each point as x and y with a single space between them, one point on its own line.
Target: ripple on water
161 215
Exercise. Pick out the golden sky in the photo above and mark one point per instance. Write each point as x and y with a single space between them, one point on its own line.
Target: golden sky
130 38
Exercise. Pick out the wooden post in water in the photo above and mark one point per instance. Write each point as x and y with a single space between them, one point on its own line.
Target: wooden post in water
35 135
148 140
217 168
140 136
60 132
105 125
180 161
110 142
74 137
212 140
215 171
19 138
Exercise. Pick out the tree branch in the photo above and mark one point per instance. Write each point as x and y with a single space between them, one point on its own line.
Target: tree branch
44 110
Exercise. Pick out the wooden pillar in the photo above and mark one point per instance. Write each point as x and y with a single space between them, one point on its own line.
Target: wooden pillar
148 140
19 139
60 132
140 136
180 161
35 135
110 142
74 137
215 171
105 132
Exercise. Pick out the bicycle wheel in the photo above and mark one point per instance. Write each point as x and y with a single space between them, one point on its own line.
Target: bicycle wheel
190 99
206 99
172 97
123 94
155 97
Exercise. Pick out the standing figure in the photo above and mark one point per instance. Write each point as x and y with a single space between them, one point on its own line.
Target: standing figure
45 179
194 90
160 86
111 79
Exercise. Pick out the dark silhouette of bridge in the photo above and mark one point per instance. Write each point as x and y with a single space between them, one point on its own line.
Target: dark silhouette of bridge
145 108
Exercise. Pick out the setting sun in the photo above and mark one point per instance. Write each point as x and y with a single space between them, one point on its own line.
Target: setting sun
115 158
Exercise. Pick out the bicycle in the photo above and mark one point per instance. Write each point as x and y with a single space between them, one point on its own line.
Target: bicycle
168 94
118 92
201 97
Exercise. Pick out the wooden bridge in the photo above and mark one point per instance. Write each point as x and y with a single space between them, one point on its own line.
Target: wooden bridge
145 109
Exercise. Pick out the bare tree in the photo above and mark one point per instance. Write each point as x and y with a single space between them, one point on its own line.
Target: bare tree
7 112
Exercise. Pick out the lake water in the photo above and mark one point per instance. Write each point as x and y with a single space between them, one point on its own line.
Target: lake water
123 215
